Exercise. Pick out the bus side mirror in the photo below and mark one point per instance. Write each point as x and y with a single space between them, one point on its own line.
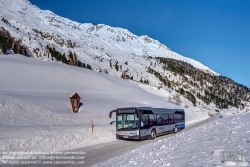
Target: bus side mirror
112 122
110 114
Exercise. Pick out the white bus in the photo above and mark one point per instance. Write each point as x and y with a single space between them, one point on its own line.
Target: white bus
146 122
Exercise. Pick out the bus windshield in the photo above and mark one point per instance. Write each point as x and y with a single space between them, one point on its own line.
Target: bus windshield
127 122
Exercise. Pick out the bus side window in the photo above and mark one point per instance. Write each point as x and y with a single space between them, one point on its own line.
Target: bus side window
160 120
165 119
170 118
151 120
176 118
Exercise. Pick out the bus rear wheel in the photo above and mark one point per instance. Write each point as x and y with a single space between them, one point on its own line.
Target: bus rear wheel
176 129
153 135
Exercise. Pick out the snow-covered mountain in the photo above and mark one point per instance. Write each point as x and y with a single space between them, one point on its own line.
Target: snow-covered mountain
96 45
118 52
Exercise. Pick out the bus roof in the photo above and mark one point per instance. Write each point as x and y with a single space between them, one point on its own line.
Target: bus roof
156 110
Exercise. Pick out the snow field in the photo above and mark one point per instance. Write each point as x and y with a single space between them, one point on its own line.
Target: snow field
201 146
35 112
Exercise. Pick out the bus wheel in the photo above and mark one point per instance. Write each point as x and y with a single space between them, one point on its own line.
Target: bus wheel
176 129
153 135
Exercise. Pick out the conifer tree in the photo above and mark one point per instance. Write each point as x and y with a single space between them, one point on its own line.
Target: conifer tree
141 80
84 65
15 49
89 67
110 64
116 66
169 85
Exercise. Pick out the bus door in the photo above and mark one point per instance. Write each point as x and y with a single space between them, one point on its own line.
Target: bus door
147 122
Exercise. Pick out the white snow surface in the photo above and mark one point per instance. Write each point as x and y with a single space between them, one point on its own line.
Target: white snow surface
35 110
223 142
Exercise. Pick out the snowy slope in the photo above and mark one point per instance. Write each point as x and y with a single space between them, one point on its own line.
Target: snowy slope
96 45
224 142
33 77
35 111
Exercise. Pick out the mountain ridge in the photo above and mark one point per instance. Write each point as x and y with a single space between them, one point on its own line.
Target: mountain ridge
49 23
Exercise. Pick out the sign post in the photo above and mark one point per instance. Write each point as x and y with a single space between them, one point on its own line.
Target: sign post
92 126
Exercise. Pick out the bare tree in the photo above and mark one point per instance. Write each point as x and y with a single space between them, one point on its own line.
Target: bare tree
169 98
177 99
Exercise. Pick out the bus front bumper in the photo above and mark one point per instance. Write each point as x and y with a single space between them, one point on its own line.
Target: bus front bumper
127 137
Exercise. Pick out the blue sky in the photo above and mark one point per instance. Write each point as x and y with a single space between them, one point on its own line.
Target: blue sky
213 32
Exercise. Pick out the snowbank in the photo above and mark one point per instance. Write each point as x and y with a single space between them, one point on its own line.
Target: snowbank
26 127
224 142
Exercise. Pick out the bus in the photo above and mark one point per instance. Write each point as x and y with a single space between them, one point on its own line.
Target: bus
147 122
